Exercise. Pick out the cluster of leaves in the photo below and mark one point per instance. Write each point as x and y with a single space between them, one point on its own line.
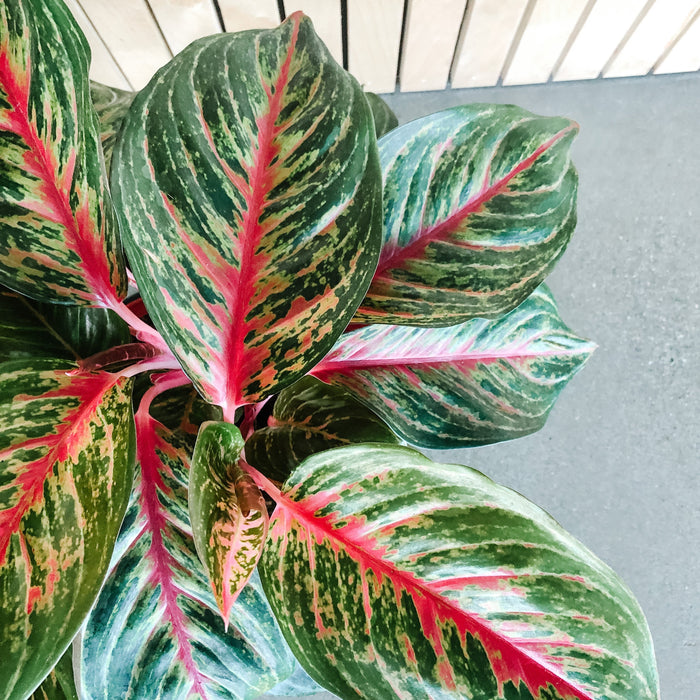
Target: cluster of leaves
299 296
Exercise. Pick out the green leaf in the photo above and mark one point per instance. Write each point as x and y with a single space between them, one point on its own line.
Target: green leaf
155 630
384 119
471 384
60 235
30 328
310 417
396 577
479 203
66 460
227 511
248 180
60 683
111 105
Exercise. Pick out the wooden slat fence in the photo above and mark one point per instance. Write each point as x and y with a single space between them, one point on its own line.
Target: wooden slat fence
414 45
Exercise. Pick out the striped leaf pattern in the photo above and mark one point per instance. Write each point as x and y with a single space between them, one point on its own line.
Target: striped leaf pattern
60 683
227 511
479 203
384 119
59 239
111 105
310 417
66 456
154 632
31 328
396 577
248 180
471 384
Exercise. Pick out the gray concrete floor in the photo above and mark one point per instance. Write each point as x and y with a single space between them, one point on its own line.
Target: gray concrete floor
617 463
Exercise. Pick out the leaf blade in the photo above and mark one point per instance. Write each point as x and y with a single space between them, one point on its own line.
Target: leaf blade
30 328
416 579
471 384
60 241
479 204
269 219
67 454
228 513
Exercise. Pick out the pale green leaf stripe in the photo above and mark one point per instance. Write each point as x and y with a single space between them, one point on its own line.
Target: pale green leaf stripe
471 384
310 417
396 577
155 632
479 203
248 180
227 512
66 456
60 235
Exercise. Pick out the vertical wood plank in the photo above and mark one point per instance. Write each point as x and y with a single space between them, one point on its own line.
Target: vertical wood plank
685 55
545 37
374 40
103 67
325 14
655 32
432 29
239 15
489 34
602 33
183 21
132 36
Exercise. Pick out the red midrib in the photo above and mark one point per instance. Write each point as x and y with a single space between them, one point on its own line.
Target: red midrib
440 231
261 175
346 366
163 562
368 558
93 264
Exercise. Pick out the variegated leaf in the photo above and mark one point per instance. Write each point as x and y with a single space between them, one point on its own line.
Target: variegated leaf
59 239
60 683
227 511
30 328
471 384
154 631
479 203
384 119
248 180
310 417
111 105
396 577
66 456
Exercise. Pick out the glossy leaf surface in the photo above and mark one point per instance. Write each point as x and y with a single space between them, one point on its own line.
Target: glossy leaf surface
59 239
60 683
66 456
471 384
155 630
111 105
393 576
479 203
227 511
248 179
384 119
310 417
30 328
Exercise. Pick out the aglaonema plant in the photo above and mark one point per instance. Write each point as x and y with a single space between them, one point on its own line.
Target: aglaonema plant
253 313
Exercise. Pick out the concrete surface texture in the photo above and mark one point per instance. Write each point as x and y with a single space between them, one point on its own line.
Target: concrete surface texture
617 462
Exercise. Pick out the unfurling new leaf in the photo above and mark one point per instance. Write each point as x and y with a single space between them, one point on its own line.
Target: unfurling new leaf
227 511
